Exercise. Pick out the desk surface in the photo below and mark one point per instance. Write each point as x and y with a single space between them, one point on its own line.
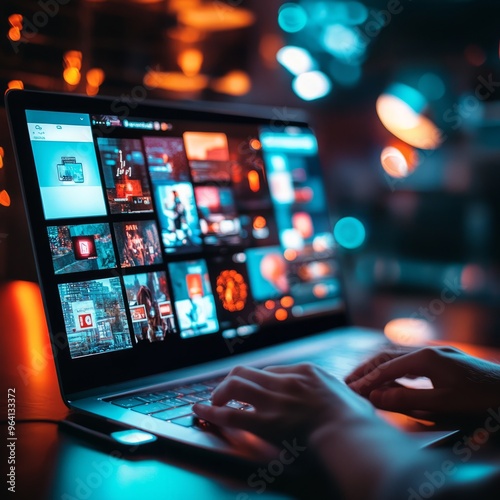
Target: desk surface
51 463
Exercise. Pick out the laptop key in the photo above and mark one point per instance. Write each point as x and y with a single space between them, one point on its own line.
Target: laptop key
187 421
127 402
173 412
150 398
150 408
199 387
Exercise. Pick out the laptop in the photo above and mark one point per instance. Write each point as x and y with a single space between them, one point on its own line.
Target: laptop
174 242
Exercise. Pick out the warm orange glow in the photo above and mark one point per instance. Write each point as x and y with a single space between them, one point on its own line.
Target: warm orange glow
4 198
95 77
281 315
234 83
16 20
290 254
175 81
72 76
406 124
253 180
73 59
91 90
287 301
185 34
1 161
2 152
255 144
190 61
409 331
216 17
21 310
320 290
259 222
15 84
180 5
270 304
15 34
268 47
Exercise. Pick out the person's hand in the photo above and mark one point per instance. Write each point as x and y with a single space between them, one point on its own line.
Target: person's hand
462 385
288 401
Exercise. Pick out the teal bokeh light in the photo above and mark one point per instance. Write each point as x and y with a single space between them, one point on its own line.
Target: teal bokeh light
349 233
343 42
432 86
292 17
412 97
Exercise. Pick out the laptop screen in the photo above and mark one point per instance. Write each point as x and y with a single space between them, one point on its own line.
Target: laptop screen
166 237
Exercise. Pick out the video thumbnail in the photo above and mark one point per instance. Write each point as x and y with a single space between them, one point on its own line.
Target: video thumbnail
125 175
219 220
268 272
180 228
69 179
94 316
230 282
78 248
150 306
194 302
208 156
138 243
166 159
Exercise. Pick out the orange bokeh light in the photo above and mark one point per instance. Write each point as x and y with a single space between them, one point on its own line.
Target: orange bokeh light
409 331
16 20
259 222
15 34
281 314
255 144
287 301
15 84
4 198
73 59
290 254
234 83
253 180
175 81
72 76
270 304
216 17
406 124
95 77
190 61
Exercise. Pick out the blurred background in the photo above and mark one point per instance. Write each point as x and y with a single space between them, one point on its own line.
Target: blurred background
403 95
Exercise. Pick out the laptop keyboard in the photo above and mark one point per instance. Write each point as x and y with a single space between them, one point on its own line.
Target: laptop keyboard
175 405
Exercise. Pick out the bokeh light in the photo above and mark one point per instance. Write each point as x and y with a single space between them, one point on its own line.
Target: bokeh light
349 233
431 86
343 42
400 110
292 17
311 85
399 161
295 59
409 331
